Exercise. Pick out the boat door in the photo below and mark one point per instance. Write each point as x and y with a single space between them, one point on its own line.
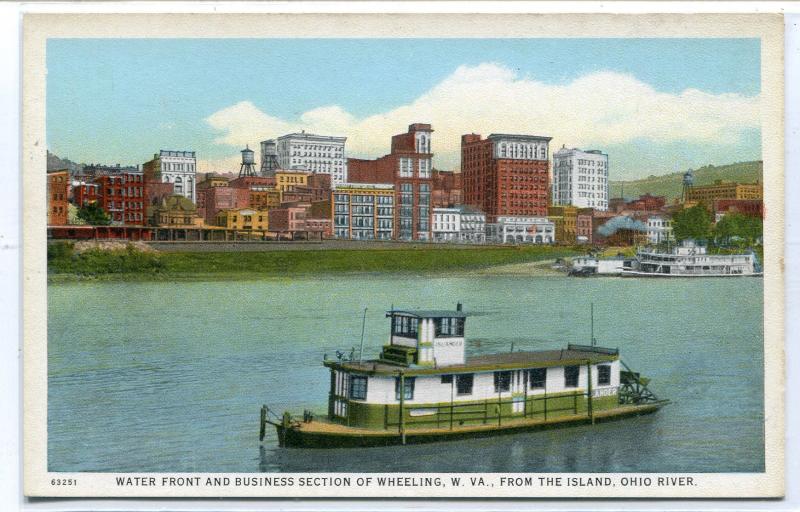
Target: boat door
519 381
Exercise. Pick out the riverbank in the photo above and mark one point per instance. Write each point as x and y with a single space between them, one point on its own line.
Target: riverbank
129 263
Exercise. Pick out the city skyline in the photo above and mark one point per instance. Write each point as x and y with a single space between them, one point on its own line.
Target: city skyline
130 98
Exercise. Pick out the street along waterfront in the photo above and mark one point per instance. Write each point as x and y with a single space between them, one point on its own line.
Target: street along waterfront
169 376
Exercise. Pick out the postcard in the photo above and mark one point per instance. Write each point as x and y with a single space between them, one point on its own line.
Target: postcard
408 255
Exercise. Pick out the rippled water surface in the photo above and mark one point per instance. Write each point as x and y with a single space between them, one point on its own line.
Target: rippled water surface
155 377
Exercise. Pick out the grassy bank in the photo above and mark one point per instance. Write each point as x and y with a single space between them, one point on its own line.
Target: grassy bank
65 264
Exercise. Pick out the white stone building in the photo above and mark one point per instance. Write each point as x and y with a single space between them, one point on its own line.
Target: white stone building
178 168
473 224
508 229
459 224
580 178
316 153
446 224
659 229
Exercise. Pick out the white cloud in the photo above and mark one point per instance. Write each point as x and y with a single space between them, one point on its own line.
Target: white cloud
598 109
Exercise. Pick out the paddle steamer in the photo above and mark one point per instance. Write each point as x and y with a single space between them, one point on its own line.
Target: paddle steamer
424 388
691 260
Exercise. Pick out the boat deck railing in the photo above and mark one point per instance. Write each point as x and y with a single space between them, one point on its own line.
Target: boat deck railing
490 411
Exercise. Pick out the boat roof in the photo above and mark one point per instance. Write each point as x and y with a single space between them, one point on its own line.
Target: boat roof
429 313
488 362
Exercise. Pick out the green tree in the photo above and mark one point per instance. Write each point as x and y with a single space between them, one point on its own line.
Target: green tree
692 223
738 227
94 215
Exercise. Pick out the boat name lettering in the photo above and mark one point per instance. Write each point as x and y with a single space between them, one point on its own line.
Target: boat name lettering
609 391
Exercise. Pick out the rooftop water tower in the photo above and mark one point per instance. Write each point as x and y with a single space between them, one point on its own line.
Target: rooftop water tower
269 157
248 167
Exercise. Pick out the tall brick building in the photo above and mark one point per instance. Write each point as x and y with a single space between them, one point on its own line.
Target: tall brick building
408 168
57 205
506 175
122 195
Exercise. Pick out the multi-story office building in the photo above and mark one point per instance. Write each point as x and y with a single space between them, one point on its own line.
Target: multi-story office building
506 175
176 167
123 197
724 190
580 178
408 168
316 153
363 211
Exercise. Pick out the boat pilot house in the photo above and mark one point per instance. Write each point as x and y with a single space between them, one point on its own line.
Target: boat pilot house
423 387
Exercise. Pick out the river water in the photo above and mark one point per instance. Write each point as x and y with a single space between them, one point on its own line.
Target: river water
169 377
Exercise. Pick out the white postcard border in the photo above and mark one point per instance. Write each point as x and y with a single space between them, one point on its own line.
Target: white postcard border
37 27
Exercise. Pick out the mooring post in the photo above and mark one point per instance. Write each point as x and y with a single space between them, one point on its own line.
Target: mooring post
263 430
589 377
402 401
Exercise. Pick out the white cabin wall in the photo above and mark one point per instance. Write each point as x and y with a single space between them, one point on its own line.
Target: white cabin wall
429 389
448 351
380 390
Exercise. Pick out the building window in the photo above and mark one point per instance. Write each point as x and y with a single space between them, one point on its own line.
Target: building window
571 376
406 167
604 375
464 384
447 379
358 387
502 381
424 168
537 377
408 388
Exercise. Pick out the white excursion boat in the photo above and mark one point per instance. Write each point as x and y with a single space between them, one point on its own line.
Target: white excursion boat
691 260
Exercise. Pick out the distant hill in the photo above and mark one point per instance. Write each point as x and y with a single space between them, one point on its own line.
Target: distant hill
54 163
670 185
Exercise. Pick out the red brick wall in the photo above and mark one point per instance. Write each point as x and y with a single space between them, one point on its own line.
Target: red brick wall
57 200
502 186
123 197
224 198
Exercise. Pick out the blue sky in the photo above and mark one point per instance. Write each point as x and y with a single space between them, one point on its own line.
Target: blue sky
122 100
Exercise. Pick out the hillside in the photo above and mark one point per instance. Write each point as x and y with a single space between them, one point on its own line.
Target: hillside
669 185
55 163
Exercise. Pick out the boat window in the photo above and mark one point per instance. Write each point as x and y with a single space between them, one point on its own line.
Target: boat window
537 377
405 326
464 384
502 381
571 376
408 386
447 379
449 327
358 387
603 375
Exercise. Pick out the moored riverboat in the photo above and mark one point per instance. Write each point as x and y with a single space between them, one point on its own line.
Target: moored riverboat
692 260
423 388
